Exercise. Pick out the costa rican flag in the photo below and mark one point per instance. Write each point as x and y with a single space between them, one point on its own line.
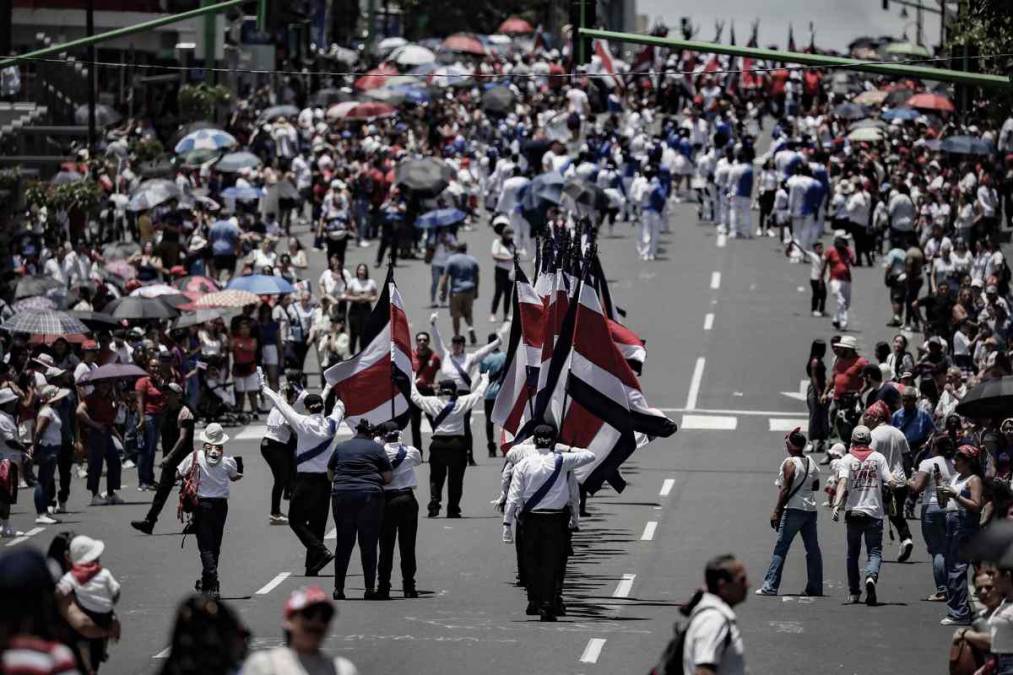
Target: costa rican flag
375 384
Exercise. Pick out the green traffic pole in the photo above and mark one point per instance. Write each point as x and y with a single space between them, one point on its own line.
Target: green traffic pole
209 44
821 60
121 32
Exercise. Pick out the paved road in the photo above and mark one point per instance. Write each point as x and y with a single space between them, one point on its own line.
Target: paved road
706 490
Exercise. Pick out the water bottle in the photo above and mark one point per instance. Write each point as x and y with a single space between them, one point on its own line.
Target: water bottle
937 476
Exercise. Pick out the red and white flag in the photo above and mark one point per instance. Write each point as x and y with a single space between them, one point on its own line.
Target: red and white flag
601 50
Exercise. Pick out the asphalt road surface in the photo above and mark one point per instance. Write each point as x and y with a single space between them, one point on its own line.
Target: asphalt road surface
727 328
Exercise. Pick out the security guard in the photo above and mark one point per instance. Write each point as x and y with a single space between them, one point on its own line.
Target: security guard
311 495
539 496
400 513
448 452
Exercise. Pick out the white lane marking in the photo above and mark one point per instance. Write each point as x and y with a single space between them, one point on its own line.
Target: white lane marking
164 654
274 583
333 534
787 424
666 487
592 651
801 289
26 536
624 587
649 529
710 422
708 321
715 280
694 383
747 413
722 240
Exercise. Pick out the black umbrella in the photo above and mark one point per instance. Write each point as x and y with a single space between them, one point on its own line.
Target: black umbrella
425 177
545 187
136 307
587 194
991 544
120 250
498 100
330 96
95 320
898 97
30 286
991 398
534 150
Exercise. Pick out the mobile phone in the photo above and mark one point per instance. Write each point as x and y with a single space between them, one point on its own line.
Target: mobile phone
239 463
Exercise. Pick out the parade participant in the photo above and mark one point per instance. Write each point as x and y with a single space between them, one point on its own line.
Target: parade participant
426 365
96 418
400 513
492 365
863 475
889 441
278 449
795 513
539 498
215 470
311 492
740 189
448 455
817 275
963 511
182 447
838 262
45 449
358 470
308 615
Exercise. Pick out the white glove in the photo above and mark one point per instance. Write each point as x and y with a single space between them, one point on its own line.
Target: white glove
508 535
433 317
260 378
497 504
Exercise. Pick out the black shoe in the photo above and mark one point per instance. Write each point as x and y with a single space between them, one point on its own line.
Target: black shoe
314 569
197 585
836 325
546 615
434 510
338 594
558 608
870 591
532 609
370 594
456 514
382 594
145 526
472 462
411 593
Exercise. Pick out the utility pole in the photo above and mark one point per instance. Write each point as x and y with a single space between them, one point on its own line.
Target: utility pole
92 75
210 43
919 19
6 19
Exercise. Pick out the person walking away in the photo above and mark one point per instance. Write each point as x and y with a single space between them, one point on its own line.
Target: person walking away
448 456
45 450
215 471
933 474
740 190
277 447
358 470
652 202
11 459
150 393
244 347
964 500
224 237
795 513
95 591
308 615
859 214
817 274
182 448
839 261
492 365
863 476
539 498
503 258
311 492
426 365
400 520
461 278
890 442
96 420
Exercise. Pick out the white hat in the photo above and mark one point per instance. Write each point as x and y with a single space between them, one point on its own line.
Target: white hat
846 342
214 434
51 393
7 395
85 549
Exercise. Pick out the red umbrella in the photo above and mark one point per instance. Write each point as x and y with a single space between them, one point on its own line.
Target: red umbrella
196 284
376 78
462 42
931 102
515 24
366 111
50 338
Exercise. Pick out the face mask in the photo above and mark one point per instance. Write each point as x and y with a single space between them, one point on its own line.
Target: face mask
213 453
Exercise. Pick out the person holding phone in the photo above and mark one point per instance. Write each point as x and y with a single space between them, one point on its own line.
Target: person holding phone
795 513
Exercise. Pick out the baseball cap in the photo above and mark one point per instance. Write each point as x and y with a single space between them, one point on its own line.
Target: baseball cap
302 599
861 435
969 451
89 346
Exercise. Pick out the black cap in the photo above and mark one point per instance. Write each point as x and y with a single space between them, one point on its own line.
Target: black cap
387 428
313 402
544 430
364 427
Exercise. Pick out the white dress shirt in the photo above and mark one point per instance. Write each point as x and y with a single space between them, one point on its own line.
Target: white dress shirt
277 426
214 479
404 472
315 433
468 363
453 423
532 472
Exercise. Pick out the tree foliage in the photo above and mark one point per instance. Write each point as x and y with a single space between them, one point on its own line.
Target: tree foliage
983 30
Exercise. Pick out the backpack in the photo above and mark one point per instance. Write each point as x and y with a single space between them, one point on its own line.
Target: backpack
8 481
670 662
188 499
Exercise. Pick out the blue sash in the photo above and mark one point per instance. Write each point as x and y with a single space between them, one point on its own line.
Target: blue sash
443 414
318 449
402 452
540 493
461 371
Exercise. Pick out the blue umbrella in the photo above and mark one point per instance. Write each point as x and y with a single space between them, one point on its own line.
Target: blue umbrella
851 111
412 93
234 162
440 218
205 139
243 193
545 187
967 145
261 284
901 114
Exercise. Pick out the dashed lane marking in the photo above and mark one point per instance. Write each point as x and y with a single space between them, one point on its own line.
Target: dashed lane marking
26 536
708 321
273 583
787 424
710 422
666 487
592 651
715 280
694 383
722 240
649 529
624 587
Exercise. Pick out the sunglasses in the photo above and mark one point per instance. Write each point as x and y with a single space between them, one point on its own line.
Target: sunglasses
317 613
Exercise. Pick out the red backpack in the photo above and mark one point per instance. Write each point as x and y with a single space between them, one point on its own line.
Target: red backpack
8 481
188 491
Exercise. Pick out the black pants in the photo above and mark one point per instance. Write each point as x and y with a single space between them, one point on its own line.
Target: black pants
167 479
280 459
501 289
209 523
357 515
469 440
448 458
357 314
490 428
64 462
387 240
544 555
818 301
336 247
101 450
899 496
400 524
307 513
766 208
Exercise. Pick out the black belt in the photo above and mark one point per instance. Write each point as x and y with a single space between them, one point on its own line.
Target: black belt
545 512
397 493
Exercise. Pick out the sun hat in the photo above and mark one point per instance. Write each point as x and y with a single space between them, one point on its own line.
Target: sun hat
85 549
7 395
304 598
846 342
51 393
214 434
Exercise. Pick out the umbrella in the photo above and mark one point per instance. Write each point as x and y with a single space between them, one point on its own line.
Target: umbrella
416 95
205 139
65 176
154 291
113 371
412 55
338 110
94 320
907 49
545 187
366 110
50 338
874 97
234 162
37 302
900 114
498 100
868 124
196 318
926 101
104 115
967 145
515 25
44 322
401 80
191 127
274 112
341 54
140 308
197 284
197 158
866 134
120 250
586 194
261 284
151 193
157 168
122 269
386 95
898 97
326 97
851 111
463 42
230 297
991 398
425 177
391 43
991 543
447 76
245 194
439 218
30 286
376 78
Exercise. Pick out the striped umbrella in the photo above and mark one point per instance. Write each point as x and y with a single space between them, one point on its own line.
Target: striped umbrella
38 285
44 322
34 303
205 139
197 284
228 298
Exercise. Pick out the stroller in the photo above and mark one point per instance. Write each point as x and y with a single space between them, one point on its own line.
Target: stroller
217 402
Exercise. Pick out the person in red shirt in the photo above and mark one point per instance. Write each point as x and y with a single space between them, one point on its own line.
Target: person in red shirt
846 374
838 261
151 404
244 366
426 364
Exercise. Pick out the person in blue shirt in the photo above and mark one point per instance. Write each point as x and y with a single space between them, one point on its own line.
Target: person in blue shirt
740 189
653 205
460 277
492 365
224 239
915 423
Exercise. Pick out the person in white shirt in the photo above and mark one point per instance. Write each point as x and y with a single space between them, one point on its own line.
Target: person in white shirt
933 473
538 503
890 442
278 448
721 182
94 590
213 471
11 450
400 513
503 258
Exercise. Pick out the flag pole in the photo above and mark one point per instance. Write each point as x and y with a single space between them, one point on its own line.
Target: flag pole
390 323
576 298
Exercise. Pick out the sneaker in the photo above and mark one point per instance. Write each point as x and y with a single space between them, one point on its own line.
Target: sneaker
870 591
279 520
46 519
950 621
9 531
854 598
765 591
128 464
434 510
363 244
99 500
370 594
114 499
145 526
82 472
906 547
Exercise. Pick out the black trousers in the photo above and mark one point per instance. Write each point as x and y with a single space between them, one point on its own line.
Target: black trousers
357 515
64 462
281 461
818 302
899 497
400 525
167 479
490 428
544 554
448 458
209 523
307 513
501 289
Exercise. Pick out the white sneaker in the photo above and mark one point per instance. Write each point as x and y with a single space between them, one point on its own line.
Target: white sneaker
129 464
279 520
817 313
82 472
46 519
492 318
759 232
363 244
98 500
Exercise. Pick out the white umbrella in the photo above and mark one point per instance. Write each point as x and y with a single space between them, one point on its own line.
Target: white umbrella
412 55
391 43
154 291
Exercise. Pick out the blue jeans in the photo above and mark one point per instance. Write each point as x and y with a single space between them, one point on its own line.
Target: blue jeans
102 450
871 529
795 521
934 533
45 473
360 210
437 272
146 457
960 527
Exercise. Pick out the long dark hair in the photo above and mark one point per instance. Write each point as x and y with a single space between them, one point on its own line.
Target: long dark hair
817 350
207 639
